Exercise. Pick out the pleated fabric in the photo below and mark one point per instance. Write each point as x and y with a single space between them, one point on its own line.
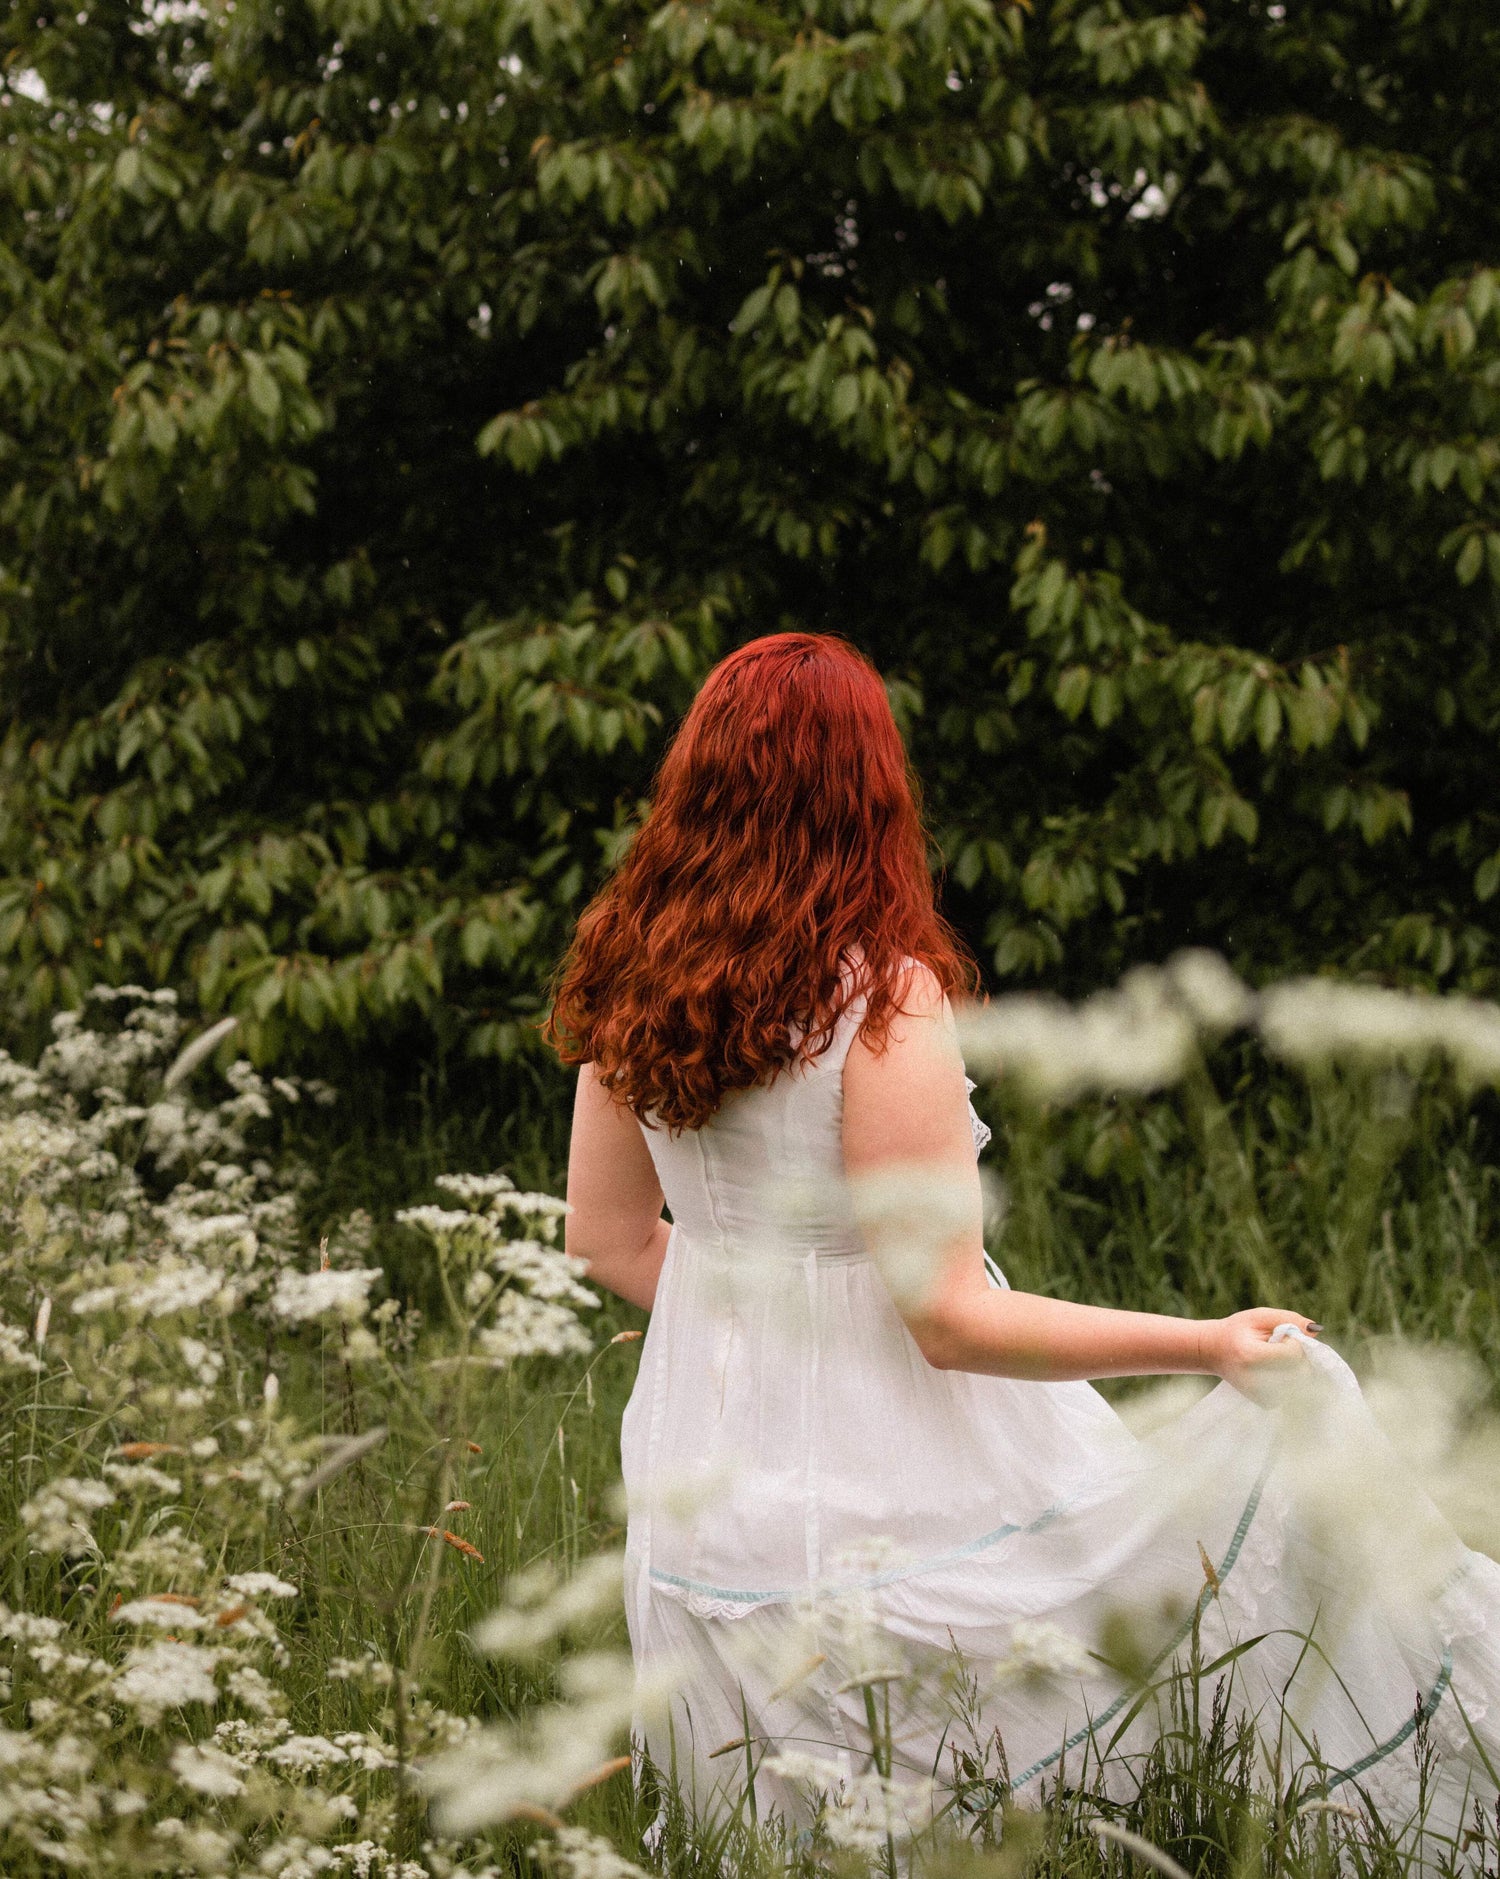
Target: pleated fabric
814 1511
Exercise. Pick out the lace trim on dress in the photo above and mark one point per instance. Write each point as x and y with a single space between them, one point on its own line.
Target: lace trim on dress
983 1133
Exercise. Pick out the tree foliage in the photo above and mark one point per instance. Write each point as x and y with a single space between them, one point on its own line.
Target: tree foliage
404 401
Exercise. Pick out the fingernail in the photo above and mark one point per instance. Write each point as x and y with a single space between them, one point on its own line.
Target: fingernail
1313 1329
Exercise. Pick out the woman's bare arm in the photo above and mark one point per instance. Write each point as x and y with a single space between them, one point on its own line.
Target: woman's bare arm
906 1106
616 1222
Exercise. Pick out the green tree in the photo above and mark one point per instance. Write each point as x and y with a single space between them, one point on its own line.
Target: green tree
404 401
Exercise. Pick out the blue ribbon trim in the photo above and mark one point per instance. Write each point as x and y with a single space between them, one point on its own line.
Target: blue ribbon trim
868 1581
871 1581
1205 1597
1423 1713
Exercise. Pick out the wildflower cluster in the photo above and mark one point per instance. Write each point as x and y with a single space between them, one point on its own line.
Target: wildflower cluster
165 1332
520 1297
1143 1035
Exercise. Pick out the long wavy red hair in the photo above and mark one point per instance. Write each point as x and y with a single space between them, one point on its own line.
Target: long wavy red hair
781 873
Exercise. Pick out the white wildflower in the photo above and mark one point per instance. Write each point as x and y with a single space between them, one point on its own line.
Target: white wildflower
194 1848
870 1809
29 1628
368 1752
249 1741
1039 1648
367 1859
579 1854
253 1690
96 1298
14 1354
476 1189
858 1812
205 1362
300 1296
370 1671
294 1857
445 1222
531 1327
231 1235
1216 999
909 1216
1139 1037
497 1194
57 1517
167 1554
167 1131
543 1759
542 1607
1308 1021
169 1613
29 1144
141 1478
260 1585
207 1770
1160 1404
543 1271
168 1675
180 1288
306 1752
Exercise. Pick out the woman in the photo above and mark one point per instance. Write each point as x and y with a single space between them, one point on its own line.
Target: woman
831 1481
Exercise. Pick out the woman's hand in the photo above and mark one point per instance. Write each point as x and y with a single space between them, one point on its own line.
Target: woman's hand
1239 1349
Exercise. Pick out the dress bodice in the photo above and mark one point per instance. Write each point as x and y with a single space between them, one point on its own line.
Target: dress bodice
765 1173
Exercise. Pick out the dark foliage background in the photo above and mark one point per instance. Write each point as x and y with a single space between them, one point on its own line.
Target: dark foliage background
403 402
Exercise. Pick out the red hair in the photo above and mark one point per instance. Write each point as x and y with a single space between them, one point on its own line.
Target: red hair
781 873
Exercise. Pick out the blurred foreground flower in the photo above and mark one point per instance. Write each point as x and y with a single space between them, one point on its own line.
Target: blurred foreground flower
300 1296
543 1606
1139 1037
541 1761
861 1812
1142 1036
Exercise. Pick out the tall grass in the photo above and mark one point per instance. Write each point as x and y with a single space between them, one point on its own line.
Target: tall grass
1366 1196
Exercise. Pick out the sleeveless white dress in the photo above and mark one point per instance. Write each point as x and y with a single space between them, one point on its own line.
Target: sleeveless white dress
815 1511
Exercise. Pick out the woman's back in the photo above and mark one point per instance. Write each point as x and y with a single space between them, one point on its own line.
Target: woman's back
786 1427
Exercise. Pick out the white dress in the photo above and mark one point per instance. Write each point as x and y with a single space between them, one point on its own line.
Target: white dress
813 1508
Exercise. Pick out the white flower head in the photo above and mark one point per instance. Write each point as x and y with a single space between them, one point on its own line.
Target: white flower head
207 1770
502 1769
168 1614
1309 1021
530 1327
542 1607
260 1585
167 1675
1216 998
575 1853
179 1288
909 1215
1139 1037
15 1353
307 1752
57 1517
300 1296
858 1813
1039 1648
